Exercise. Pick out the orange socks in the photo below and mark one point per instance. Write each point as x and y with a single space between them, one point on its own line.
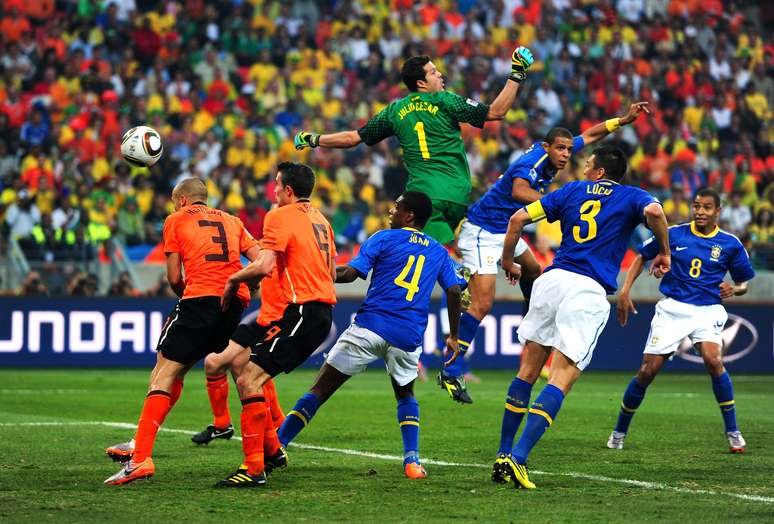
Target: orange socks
277 416
217 390
154 411
254 422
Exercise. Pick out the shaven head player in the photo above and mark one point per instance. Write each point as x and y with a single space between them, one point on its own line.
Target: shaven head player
404 264
207 244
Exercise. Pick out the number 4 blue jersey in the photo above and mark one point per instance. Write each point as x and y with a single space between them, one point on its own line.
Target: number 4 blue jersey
699 263
597 220
406 264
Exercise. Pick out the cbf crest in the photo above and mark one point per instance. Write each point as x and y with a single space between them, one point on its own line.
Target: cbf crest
715 253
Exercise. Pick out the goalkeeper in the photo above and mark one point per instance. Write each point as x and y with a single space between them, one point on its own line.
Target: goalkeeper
427 125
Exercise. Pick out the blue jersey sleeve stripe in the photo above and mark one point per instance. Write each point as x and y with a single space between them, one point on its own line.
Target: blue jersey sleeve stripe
540 161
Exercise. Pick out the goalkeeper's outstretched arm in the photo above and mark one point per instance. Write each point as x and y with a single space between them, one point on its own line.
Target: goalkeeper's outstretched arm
340 140
521 60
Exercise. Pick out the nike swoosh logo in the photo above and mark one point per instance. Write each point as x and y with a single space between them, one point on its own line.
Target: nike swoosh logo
681 248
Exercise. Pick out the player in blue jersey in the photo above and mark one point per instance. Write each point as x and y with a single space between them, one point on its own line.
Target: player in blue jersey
405 264
691 307
483 232
569 302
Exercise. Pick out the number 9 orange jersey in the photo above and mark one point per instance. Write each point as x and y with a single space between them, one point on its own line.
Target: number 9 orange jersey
210 243
303 241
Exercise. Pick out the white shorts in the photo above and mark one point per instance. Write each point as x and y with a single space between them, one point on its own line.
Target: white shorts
568 311
357 347
481 250
675 320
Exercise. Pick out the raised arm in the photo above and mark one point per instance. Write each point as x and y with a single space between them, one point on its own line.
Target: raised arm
602 129
521 60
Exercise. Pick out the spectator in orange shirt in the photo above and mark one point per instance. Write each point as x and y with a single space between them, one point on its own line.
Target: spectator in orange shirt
13 25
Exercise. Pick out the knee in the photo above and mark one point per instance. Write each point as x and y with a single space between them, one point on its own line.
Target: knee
646 373
403 393
530 272
481 305
246 384
714 365
211 365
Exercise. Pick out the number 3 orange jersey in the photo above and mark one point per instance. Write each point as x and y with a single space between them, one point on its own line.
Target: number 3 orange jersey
303 241
210 243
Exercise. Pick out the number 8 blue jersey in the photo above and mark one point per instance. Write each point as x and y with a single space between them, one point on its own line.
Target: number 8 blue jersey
597 220
406 264
699 263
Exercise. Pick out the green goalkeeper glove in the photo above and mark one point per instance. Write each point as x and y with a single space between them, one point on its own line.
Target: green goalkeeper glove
306 139
520 61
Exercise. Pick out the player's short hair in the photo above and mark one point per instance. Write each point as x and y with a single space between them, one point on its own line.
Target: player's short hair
419 204
612 160
557 132
193 188
413 71
708 192
298 176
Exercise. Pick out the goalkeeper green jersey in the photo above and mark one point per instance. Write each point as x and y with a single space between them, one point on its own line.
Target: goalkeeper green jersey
428 128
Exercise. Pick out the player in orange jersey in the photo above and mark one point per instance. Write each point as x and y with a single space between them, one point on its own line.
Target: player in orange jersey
216 365
206 244
298 242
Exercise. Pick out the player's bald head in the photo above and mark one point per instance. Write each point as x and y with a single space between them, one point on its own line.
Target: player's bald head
194 189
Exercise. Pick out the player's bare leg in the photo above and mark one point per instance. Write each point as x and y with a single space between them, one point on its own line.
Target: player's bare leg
530 270
724 393
155 409
533 358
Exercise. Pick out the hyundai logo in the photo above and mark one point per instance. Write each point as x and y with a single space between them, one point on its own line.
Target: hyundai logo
739 339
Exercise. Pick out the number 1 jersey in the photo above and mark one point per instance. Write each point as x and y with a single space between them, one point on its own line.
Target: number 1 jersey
405 265
210 243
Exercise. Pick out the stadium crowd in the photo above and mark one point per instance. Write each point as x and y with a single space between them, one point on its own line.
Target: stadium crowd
227 84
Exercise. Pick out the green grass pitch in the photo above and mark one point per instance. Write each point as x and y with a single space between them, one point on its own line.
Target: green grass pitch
53 470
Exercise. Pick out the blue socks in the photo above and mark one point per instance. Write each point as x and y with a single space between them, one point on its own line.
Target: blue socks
515 407
631 401
298 418
541 415
408 420
468 327
724 393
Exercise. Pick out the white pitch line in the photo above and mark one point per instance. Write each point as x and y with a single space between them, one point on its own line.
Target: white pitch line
396 458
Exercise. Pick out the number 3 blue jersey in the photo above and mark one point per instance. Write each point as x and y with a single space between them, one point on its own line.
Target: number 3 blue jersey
492 211
699 263
597 220
406 264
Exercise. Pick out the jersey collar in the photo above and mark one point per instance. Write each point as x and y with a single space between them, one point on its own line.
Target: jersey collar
413 229
702 235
